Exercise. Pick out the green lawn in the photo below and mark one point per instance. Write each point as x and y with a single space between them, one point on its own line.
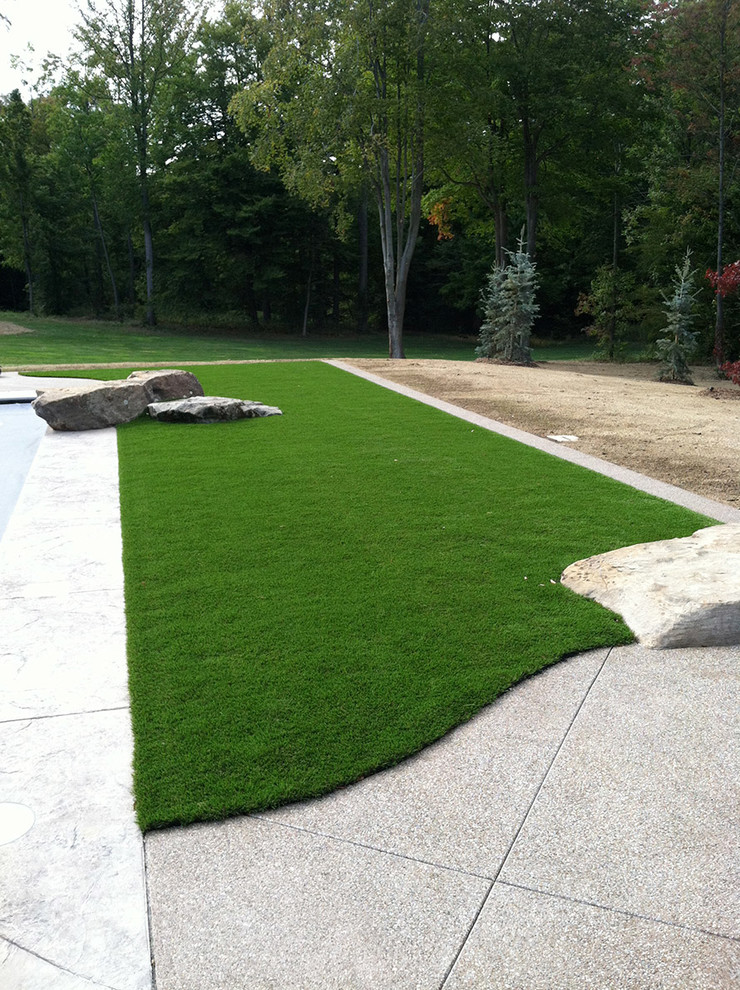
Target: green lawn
60 341
315 596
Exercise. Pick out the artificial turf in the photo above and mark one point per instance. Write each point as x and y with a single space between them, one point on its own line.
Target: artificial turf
315 596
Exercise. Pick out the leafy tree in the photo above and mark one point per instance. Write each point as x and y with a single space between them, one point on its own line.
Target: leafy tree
138 46
610 304
231 239
696 70
543 85
16 177
680 342
342 102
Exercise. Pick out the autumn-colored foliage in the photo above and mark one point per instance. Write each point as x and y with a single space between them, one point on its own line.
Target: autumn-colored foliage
728 282
732 370
439 215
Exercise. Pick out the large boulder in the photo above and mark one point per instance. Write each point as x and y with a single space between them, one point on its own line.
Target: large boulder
209 409
683 592
91 407
167 383
101 404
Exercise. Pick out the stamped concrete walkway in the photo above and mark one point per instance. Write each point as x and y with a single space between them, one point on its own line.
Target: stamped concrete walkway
581 832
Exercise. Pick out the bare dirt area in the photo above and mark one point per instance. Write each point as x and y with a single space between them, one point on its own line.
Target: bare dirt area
7 329
686 436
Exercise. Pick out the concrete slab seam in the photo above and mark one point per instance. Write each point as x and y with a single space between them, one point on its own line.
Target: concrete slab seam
616 910
366 845
466 936
527 813
50 962
552 763
149 922
659 489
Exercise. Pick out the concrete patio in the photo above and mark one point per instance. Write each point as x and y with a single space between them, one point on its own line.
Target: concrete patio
580 832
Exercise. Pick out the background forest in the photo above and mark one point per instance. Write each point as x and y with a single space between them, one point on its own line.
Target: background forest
349 165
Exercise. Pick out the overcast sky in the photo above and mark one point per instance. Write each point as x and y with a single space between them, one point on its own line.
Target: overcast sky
44 24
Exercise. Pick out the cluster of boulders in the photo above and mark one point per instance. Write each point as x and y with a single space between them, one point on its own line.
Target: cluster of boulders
168 395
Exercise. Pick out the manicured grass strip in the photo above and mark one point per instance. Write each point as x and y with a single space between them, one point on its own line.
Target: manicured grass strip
314 596
56 340
64 341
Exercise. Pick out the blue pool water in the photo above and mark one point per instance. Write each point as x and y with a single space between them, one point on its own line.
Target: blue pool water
20 434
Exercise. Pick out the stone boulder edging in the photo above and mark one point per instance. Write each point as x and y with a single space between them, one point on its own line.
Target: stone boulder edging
101 404
671 593
208 409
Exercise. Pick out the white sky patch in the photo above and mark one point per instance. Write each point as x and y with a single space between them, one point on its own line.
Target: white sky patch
46 26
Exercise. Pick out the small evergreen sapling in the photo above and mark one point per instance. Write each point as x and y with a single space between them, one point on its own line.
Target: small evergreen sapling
509 309
679 343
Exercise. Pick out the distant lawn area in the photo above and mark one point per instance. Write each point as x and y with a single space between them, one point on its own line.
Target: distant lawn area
315 596
56 341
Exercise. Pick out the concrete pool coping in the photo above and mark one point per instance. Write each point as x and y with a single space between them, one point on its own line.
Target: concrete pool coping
578 830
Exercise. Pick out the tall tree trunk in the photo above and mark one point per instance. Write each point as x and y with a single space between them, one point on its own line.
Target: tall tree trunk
151 318
531 193
501 228
398 241
719 326
395 302
131 269
362 282
27 256
615 269
309 283
103 245
336 288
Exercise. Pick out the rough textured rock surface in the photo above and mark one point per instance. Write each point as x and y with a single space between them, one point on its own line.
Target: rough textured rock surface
683 592
101 404
167 384
209 409
93 407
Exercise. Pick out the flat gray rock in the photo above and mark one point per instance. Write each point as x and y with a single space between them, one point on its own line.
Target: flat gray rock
101 404
209 409
683 592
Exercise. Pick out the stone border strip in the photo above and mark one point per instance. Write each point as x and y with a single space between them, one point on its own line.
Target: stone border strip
670 493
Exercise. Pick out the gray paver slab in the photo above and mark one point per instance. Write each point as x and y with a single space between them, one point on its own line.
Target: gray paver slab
72 889
250 905
529 941
640 808
49 662
460 802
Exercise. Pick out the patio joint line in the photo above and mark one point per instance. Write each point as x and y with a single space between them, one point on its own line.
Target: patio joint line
149 923
367 845
467 935
551 764
38 718
617 910
528 811
66 594
50 962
